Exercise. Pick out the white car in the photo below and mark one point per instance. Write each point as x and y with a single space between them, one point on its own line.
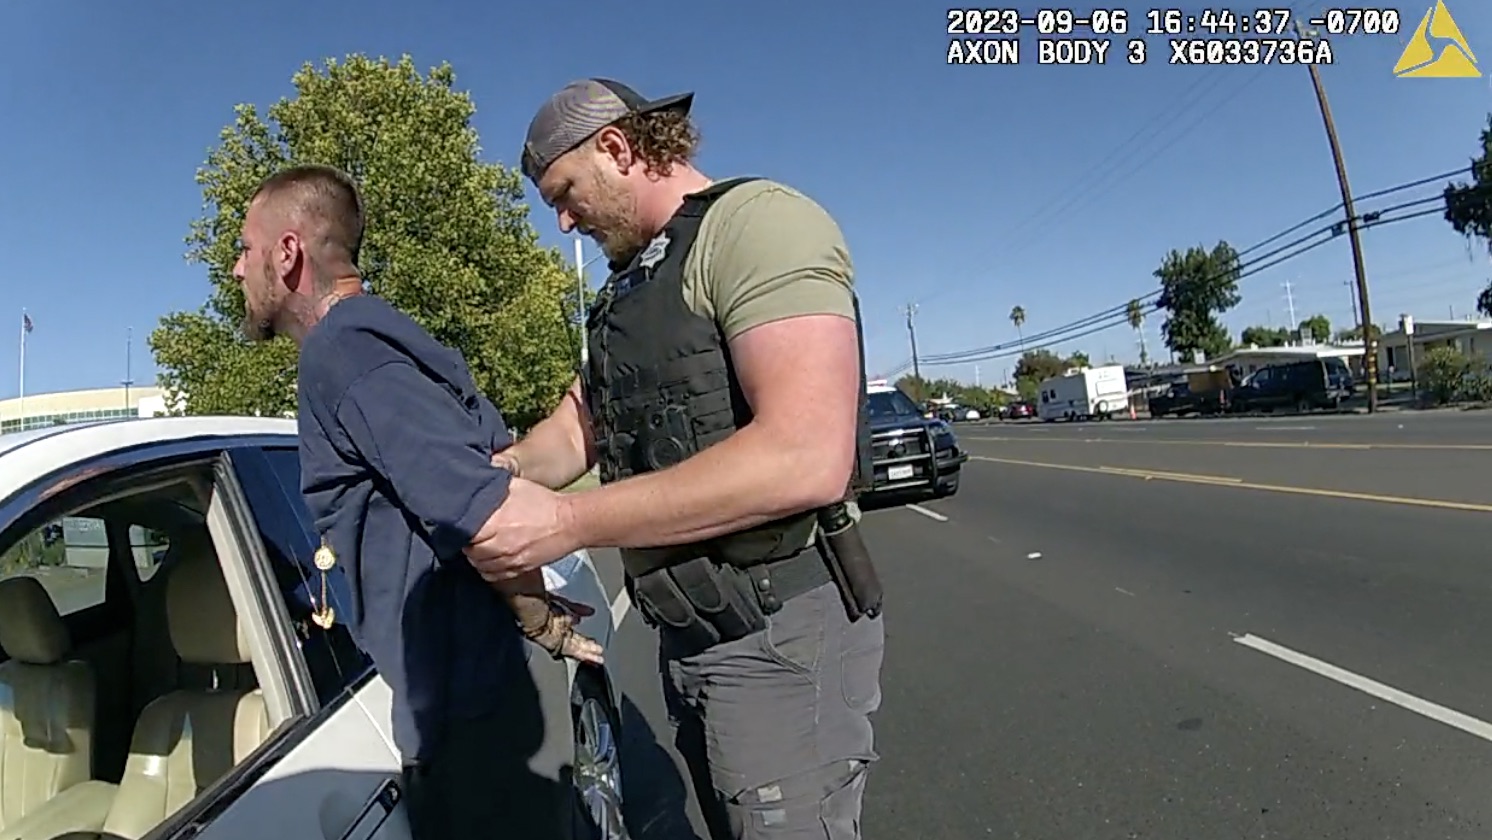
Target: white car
134 705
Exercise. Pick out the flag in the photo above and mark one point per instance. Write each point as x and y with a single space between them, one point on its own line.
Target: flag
25 322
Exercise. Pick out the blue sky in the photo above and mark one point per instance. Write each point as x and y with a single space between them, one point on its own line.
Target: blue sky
965 189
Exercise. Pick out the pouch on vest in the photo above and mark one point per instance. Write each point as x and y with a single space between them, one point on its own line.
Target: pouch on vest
704 603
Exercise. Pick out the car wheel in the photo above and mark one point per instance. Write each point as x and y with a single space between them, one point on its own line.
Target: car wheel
598 773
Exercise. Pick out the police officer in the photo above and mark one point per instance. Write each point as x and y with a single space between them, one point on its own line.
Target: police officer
724 403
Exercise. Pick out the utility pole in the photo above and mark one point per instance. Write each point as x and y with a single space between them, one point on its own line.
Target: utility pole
912 334
1370 344
976 376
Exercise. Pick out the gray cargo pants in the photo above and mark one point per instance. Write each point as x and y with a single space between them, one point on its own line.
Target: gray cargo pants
776 726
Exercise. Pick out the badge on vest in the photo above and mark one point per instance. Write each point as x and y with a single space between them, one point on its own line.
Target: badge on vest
642 269
656 251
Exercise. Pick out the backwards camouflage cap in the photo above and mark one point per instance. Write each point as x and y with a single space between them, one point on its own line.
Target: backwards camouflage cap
580 110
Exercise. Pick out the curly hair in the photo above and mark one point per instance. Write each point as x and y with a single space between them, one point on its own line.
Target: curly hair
661 138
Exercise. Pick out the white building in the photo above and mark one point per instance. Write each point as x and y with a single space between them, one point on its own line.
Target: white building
1251 358
38 410
1471 338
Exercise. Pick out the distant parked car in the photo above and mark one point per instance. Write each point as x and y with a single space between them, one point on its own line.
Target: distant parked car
1020 411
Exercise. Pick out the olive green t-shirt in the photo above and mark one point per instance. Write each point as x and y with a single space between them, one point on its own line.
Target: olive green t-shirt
765 252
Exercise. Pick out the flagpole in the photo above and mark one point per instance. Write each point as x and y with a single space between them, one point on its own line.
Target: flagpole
23 372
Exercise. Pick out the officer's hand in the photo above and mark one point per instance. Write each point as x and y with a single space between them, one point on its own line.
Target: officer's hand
527 531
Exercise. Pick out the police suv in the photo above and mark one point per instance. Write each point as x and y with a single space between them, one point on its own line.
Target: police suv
912 453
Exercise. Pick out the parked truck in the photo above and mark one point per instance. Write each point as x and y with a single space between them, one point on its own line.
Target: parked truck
1204 392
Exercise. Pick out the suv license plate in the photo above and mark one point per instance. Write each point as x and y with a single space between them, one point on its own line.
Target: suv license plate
899 473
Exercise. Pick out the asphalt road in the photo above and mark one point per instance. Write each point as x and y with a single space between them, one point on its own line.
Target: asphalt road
1441 455
1081 653
1445 426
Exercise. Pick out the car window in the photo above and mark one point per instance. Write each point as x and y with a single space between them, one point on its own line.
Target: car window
148 547
135 670
70 558
271 483
883 405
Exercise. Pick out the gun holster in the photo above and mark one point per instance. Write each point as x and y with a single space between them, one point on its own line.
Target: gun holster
854 573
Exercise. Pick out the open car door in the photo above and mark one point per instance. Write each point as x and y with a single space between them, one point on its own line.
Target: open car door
328 769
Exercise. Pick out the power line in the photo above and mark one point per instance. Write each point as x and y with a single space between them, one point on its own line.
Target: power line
1152 308
1116 315
1120 311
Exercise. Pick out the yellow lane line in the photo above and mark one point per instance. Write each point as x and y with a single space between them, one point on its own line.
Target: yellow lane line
1452 447
1228 481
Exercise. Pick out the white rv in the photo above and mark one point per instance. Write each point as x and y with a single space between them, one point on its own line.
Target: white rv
1084 394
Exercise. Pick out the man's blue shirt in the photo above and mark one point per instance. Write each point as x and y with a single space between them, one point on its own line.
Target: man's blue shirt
395 446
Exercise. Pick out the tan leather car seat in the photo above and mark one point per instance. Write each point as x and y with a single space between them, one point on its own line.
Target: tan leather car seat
46 703
189 738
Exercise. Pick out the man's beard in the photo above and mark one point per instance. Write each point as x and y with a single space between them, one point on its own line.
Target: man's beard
256 328
623 238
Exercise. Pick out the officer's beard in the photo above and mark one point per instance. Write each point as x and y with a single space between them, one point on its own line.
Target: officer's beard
614 216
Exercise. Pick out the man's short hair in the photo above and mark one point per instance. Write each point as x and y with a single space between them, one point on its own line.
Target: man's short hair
322 194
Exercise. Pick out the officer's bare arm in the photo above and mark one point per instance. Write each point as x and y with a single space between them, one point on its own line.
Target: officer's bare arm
559 449
795 455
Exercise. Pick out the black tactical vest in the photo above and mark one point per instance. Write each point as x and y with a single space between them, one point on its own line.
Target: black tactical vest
660 387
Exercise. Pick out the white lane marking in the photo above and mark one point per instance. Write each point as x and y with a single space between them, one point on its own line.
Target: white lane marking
930 514
1122 590
1035 555
1434 711
1284 428
619 608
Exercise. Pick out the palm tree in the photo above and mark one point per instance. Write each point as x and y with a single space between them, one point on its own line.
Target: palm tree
1018 317
1135 313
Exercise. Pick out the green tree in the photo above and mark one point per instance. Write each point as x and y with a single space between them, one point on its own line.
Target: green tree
1468 206
1134 314
1037 365
1443 371
448 241
1318 327
914 387
1264 336
1197 286
1018 317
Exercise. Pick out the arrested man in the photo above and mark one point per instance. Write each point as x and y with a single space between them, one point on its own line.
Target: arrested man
395 450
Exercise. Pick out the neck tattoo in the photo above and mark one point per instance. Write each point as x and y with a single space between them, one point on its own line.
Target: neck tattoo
339 295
